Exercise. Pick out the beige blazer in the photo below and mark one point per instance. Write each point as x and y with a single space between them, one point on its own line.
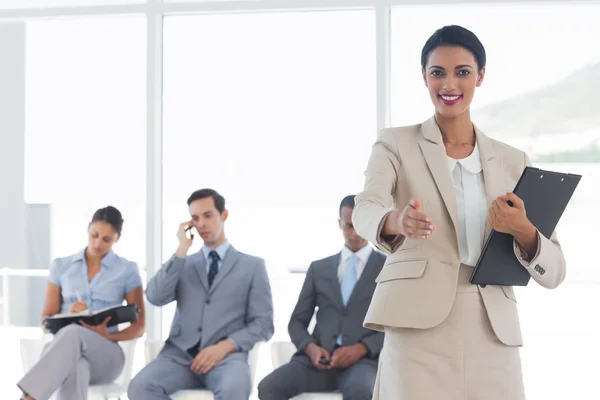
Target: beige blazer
417 285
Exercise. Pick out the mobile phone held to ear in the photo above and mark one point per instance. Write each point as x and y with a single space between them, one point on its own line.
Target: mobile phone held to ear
189 232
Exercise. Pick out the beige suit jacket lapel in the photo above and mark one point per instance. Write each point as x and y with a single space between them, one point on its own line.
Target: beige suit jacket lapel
491 163
434 152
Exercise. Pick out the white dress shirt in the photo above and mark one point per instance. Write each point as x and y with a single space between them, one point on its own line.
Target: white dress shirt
363 256
471 204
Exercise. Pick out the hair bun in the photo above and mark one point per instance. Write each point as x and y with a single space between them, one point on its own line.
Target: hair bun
111 215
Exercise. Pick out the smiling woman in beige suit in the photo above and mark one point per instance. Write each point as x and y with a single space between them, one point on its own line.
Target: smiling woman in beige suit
432 194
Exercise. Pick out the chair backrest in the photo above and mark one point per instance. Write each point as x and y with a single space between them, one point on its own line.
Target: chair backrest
31 351
253 360
153 347
128 347
281 353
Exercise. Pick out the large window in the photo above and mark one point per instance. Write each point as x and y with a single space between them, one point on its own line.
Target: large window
538 93
81 95
277 112
85 139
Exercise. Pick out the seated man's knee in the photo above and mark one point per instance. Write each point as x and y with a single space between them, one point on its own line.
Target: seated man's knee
357 390
136 388
141 385
239 388
267 388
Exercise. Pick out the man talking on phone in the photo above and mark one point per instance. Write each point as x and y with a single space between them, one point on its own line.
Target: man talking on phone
340 354
224 307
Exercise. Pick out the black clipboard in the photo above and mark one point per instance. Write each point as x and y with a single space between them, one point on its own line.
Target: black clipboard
546 195
118 315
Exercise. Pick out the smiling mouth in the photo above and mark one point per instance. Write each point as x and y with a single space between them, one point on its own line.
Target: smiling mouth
450 99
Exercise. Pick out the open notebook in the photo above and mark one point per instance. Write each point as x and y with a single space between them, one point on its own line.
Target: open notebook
118 315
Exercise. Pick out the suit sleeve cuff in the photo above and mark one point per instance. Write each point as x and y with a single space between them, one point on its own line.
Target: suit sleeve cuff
388 244
369 350
237 348
305 343
522 255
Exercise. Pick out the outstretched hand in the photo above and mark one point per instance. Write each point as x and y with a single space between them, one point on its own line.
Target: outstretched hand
414 223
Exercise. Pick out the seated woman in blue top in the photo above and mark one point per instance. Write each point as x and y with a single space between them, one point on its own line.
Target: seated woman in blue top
94 278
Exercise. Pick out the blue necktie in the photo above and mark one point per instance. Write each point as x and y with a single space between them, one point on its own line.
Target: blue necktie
214 267
348 282
349 279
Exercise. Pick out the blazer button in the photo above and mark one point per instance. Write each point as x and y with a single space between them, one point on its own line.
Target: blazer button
482 286
207 301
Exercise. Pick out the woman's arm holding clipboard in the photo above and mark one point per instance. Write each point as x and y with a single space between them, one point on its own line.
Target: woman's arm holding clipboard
547 266
542 257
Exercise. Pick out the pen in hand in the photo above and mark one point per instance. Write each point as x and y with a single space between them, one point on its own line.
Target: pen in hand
79 305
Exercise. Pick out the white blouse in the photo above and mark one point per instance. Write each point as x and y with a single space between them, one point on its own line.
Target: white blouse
471 202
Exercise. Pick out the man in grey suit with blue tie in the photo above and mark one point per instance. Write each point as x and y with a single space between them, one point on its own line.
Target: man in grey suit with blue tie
224 307
340 354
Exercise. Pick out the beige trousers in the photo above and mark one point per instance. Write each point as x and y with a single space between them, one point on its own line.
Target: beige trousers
460 359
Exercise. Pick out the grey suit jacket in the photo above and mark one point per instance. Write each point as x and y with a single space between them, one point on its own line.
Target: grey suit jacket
321 290
238 305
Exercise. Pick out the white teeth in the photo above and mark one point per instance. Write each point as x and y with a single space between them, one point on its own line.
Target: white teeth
450 98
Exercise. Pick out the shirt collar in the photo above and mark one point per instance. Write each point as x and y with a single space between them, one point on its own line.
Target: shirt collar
221 250
363 254
471 163
107 261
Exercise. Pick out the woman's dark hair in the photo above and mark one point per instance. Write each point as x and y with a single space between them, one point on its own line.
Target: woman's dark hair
454 35
111 216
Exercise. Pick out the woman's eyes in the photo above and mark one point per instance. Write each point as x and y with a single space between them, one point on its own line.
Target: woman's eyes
462 72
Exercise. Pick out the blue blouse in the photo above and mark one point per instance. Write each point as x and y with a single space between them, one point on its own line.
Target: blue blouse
116 278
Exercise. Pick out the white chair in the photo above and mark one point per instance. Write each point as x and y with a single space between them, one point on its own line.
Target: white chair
31 351
153 347
281 354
